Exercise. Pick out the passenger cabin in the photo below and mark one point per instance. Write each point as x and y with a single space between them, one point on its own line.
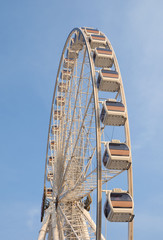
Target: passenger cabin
87 202
51 161
77 42
72 53
54 129
65 74
49 192
119 206
69 63
108 80
63 86
97 41
103 57
113 113
80 40
57 115
53 145
60 101
49 176
90 31
117 156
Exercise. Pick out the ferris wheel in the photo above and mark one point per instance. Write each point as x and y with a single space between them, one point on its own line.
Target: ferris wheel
88 144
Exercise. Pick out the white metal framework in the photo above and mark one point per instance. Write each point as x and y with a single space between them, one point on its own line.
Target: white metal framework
88 111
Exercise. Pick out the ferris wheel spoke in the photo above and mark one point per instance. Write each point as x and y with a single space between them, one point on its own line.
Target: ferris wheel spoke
76 98
88 184
79 180
82 125
79 132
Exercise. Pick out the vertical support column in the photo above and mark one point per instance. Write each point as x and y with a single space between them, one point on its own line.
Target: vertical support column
55 232
42 233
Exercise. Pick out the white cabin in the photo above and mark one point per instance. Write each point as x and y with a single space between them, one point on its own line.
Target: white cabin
108 80
119 206
49 192
103 57
65 74
97 41
69 63
49 176
57 115
90 31
54 129
60 101
113 113
63 87
117 156
51 161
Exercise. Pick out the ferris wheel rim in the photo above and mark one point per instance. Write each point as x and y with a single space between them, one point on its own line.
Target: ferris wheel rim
97 114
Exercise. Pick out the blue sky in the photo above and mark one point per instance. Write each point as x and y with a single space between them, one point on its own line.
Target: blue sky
32 35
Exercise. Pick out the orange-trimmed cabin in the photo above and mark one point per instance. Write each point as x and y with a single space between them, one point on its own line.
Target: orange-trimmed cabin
108 80
119 206
113 113
117 155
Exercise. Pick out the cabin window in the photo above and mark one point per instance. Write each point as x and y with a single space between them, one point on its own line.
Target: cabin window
92 29
118 146
106 209
109 71
49 190
102 114
98 81
99 36
120 197
106 157
117 104
104 49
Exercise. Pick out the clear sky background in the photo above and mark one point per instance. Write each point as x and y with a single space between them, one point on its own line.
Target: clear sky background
32 35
